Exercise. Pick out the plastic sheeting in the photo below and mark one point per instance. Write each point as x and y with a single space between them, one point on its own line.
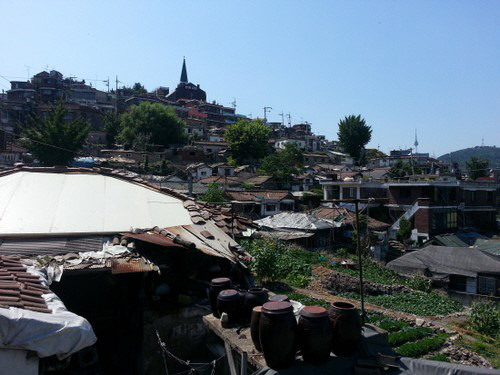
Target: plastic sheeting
60 333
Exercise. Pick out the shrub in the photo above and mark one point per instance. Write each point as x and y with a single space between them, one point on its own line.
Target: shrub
421 347
485 318
439 357
275 261
419 282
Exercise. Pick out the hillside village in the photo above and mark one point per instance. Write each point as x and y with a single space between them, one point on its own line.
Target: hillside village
131 232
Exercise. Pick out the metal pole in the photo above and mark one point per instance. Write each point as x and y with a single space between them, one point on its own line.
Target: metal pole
358 247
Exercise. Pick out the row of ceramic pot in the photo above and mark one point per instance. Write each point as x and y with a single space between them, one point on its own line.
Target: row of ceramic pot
236 303
276 332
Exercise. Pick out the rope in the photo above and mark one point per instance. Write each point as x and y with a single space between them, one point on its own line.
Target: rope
192 370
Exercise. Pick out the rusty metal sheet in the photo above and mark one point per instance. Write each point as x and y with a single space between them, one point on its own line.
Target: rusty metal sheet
130 266
153 238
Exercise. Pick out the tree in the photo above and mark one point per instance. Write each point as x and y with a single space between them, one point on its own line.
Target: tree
54 141
151 123
404 231
112 127
477 168
214 194
283 164
248 140
353 135
402 169
139 89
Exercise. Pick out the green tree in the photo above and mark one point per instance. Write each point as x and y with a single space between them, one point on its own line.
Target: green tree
353 135
54 141
402 169
214 194
152 122
477 168
404 232
283 164
139 89
248 140
112 127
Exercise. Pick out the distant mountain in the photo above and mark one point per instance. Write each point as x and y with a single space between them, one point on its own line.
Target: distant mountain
490 153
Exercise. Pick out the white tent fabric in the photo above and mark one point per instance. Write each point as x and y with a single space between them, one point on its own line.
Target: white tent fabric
56 203
59 333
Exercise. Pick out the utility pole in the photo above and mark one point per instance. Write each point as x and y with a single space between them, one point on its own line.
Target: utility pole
358 248
233 103
282 118
289 117
266 109
107 83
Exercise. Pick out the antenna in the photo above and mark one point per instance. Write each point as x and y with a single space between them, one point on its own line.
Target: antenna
28 69
233 103
289 117
282 118
482 142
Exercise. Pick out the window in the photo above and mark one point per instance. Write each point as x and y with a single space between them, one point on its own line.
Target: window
443 219
270 207
203 173
486 285
405 193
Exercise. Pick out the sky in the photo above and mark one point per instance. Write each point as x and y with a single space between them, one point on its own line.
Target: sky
404 66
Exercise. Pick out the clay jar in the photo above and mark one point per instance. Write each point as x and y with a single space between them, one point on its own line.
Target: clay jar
216 286
253 297
254 327
277 331
346 326
229 301
314 334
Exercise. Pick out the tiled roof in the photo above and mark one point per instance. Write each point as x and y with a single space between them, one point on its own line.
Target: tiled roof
19 288
221 180
257 180
50 245
258 195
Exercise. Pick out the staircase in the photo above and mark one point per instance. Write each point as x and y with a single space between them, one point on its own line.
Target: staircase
407 215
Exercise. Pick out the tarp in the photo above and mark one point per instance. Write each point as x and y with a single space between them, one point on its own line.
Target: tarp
60 333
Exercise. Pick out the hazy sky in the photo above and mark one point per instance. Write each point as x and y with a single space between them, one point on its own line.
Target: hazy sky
430 65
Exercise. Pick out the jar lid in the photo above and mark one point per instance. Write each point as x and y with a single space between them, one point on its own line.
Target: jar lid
220 281
257 309
314 312
281 307
229 294
279 298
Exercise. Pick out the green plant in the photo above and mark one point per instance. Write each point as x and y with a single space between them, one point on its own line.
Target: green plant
411 334
276 261
214 194
419 282
392 325
416 302
485 318
421 347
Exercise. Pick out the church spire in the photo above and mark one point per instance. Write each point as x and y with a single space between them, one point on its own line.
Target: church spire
184 75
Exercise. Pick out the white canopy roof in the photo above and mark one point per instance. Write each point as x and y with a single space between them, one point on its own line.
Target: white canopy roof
56 203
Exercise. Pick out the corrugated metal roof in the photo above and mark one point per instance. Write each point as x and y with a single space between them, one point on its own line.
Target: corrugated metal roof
50 245
294 221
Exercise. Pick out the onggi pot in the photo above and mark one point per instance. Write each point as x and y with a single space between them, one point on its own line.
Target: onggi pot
277 331
346 326
216 286
314 334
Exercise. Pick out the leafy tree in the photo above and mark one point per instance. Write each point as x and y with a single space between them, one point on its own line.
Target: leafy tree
112 127
373 153
401 169
404 232
214 194
284 163
353 135
477 168
248 140
152 120
139 89
54 141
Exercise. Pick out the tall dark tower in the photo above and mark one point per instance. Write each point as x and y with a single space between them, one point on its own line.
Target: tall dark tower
184 75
